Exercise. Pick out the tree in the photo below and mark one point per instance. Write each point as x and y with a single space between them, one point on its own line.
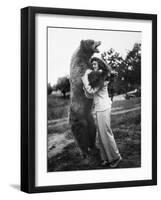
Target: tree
49 89
113 59
128 69
54 87
133 63
63 84
116 63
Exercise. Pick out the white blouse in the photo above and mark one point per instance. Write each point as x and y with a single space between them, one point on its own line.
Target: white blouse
100 96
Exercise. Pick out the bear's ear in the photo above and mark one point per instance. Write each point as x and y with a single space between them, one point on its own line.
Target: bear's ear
82 43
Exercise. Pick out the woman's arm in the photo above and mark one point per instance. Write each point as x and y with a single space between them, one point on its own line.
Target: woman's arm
111 71
104 58
86 85
90 90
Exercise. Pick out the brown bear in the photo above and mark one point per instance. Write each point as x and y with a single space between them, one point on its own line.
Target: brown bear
80 117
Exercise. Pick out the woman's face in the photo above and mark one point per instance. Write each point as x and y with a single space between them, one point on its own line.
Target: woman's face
95 65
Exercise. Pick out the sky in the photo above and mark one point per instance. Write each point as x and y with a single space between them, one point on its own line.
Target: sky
62 42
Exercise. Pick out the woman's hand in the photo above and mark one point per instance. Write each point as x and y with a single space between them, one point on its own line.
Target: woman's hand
114 73
104 56
106 83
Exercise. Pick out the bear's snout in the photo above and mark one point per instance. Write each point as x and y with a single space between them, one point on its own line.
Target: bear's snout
98 43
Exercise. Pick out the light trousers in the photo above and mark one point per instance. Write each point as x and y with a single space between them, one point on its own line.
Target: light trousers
106 141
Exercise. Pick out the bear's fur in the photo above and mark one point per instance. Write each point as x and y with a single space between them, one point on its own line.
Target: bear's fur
81 119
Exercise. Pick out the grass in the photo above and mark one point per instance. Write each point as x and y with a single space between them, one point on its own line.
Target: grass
63 152
57 107
126 104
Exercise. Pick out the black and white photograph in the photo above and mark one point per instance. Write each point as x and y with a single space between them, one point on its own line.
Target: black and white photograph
79 100
93 99
91 89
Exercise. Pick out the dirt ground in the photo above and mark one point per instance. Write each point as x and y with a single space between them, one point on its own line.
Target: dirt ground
64 154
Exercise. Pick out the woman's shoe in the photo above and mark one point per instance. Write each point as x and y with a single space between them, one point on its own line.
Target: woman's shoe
115 163
104 163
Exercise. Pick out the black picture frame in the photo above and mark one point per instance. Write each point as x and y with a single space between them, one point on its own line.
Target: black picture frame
28 98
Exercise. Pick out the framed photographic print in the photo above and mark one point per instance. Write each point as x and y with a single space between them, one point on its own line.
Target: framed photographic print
88 99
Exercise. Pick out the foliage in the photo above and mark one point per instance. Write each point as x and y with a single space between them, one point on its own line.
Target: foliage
49 89
133 65
63 84
128 69
112 58
58 107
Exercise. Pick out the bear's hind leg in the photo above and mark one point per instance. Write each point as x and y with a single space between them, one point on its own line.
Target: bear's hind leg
79 129
91 133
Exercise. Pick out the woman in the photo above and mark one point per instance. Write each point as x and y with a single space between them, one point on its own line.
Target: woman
95 83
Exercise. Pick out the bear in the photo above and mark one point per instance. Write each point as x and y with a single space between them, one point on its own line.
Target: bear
80 116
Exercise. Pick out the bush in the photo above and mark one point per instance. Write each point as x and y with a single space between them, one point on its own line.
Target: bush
63 84
49 89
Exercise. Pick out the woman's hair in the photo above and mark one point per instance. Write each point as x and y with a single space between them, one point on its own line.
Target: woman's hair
101 64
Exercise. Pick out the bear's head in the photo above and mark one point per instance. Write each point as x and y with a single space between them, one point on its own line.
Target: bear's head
90 46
